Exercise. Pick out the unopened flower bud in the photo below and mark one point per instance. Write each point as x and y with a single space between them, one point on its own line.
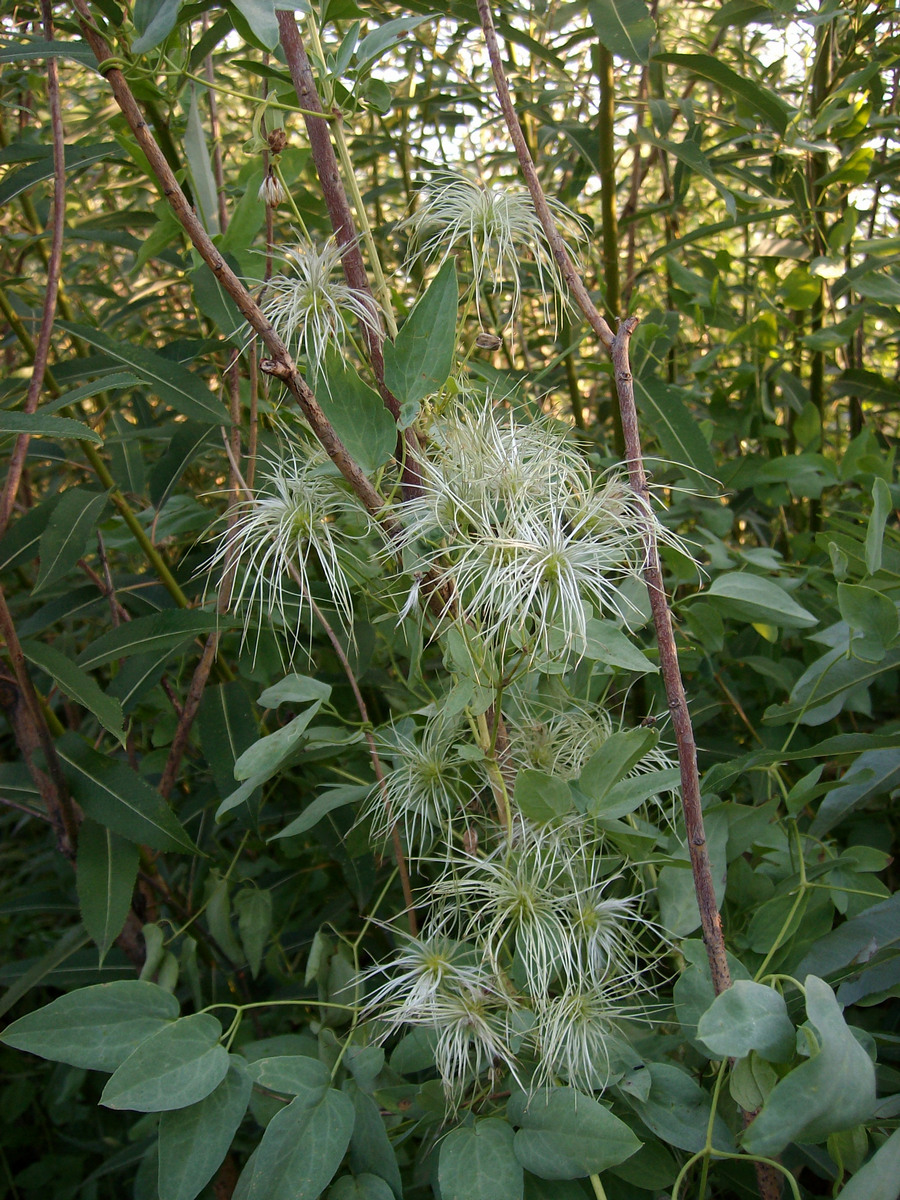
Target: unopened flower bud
270 190
488 341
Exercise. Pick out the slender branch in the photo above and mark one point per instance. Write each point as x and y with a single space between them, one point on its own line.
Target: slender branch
54 266
618 345
282 364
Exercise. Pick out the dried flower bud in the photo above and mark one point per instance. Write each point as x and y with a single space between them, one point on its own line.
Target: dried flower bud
277 140
270 190
488 341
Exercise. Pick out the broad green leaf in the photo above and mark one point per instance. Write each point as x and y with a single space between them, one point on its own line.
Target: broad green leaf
300 1150
106 874
193 1141
874 773
71 528
97 1027
150 635
374 44
292 1075
761 99
877 1179
867 386
819 693
176 1067
172 383
665 412
115 796
605 642
625 27
856 941
563 1134
357 413
882 505
270 752
541 797
748 1016
360 1187
678 1110
295 689
868 610
370 1147
40 425
419 362
260 16
833 1090
253 906
154 20
21 541
612 762
48 967
477 1162
214 302
625 796
328 801
77 685
744 595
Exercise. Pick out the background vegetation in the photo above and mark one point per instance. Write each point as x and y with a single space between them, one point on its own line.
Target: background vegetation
736 169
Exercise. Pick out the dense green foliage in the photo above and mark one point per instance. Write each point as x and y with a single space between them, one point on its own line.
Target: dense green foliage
258 703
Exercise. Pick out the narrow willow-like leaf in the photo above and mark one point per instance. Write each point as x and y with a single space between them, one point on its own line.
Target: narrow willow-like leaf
78 686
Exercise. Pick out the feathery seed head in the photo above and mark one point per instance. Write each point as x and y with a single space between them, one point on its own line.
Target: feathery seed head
309 304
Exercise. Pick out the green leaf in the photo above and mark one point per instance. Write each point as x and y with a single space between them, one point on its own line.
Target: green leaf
199 166
882 505
625 796
360 1187
34 971
833 1090
358 414
300 1150
260 16
157 633
172 383
541 797
39 424
39 48
227 727
419 362
270 752
665 412
748 1016
625 27
612 762
744 595
117 797
96 1028
605 642
877 1179
566 1135
77 156
193 1141
292 1075
328 801
477 1162
253 906
77 685
374 44
72 526
176 1067
761 100
857 940
154 20
819 693
295 689
874 773
678 1110
869 611
106 874
370 1147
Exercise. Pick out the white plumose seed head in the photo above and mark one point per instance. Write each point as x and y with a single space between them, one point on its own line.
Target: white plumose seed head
286 530
309 304
498 226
